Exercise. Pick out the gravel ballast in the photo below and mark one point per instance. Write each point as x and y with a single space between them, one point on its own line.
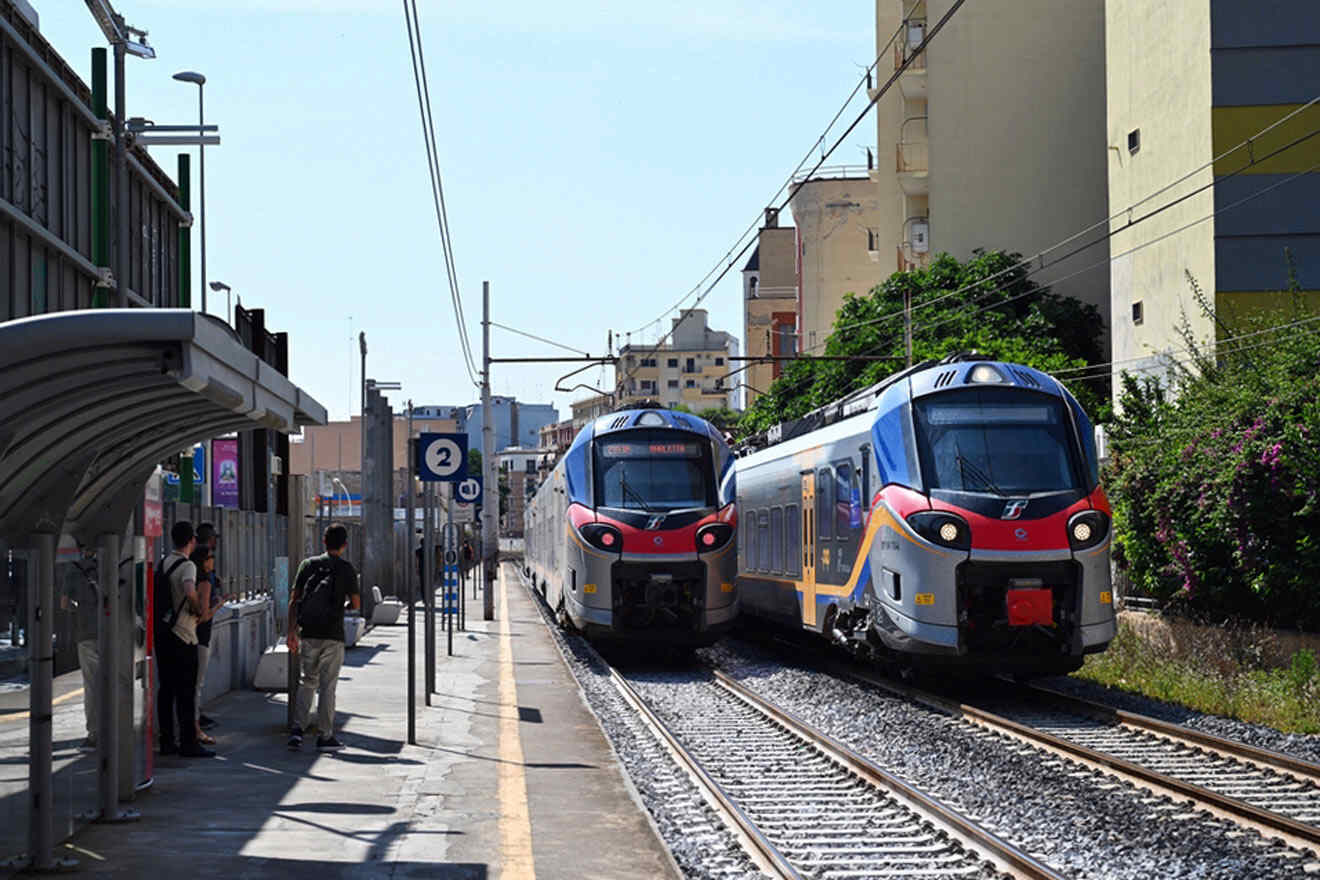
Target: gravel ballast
1084 823
1299 745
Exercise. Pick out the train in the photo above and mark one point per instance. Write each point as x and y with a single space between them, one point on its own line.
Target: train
631 537
950 517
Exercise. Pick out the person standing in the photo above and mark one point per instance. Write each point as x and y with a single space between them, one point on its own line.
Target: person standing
209 538
208 597
177 611
322 587
82 596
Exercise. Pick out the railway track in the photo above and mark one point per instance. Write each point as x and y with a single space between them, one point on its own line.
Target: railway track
810 807
1276 794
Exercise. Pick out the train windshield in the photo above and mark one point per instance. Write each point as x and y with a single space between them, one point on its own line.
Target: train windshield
654 470
997 441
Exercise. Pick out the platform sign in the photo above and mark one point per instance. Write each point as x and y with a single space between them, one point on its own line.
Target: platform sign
442 458
450 557
469 491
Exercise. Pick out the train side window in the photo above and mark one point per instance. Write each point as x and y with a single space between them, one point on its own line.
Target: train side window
793 540
763 540
749 533
777 539
865 450
843 500
825 504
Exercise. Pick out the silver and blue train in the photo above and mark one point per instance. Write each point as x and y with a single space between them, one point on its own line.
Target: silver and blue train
951 514
631 536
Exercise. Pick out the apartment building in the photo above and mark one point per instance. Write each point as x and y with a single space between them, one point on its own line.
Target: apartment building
1225 72
689 369
519 470
589 409
993 138
769 306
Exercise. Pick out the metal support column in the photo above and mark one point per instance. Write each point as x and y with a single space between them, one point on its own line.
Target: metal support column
109 653
490 539
428 588
41 663
410 579
121 185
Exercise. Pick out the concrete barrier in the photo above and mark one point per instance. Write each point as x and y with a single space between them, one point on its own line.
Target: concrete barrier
241 634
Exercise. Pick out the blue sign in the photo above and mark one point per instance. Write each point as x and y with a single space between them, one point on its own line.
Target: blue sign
469 491
199 468
442 458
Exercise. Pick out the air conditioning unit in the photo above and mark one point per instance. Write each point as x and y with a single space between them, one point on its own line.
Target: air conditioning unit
920 236
276 466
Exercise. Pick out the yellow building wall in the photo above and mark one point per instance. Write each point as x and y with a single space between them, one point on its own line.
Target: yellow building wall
1167 95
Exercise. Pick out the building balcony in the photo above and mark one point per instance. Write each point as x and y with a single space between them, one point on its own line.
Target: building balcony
912 82
913 167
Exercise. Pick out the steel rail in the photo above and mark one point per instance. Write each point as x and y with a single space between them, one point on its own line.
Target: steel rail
1277 761
1242 811
1002 851
768 851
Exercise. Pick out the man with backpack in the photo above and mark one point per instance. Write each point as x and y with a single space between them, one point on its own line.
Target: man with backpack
321 588
176 616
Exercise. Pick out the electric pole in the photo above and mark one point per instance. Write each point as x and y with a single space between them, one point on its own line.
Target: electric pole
490 537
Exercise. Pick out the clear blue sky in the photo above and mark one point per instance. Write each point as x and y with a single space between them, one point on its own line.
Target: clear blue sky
598 158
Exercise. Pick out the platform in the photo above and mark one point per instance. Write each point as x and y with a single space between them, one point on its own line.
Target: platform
512 776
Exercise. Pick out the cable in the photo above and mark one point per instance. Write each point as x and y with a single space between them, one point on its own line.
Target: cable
413 23
798 184
864 78
1040 255
540 339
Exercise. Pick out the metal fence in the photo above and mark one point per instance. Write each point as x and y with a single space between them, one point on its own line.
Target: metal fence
248 546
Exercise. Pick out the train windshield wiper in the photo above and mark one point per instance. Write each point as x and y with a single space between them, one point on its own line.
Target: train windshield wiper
629 492
965 467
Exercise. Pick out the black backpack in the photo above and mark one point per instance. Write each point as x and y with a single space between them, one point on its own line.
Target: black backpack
166 613
316 608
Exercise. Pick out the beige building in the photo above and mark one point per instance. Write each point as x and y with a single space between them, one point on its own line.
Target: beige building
993 138
1224 75
769 306
520 471
689 369
588 410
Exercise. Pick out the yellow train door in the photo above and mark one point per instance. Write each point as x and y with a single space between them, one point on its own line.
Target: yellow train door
809 532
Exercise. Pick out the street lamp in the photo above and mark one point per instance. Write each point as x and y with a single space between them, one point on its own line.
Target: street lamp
218 286
197 79
348 498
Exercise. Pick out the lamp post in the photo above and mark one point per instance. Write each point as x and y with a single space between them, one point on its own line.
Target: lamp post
197 79
218 286
348 498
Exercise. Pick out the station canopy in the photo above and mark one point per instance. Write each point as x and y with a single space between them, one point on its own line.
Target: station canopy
92 401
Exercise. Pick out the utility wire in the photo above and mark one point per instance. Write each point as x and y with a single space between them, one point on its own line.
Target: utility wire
799 183
1040 255
413 24
864 78
540 339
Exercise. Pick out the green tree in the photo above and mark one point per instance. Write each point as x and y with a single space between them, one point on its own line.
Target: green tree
723 418
1003 316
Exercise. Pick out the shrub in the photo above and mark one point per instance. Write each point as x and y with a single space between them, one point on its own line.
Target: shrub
1213 476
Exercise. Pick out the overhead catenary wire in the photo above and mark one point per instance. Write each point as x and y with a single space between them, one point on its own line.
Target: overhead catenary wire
795 185
755 224
539 338
1039 256
413 24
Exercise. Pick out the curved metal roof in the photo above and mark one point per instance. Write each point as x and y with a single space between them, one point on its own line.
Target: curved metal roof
92 401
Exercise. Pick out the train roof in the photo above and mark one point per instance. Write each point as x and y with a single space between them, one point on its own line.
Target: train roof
928 377
629 419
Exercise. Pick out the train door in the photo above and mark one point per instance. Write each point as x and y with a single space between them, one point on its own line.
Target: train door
809 532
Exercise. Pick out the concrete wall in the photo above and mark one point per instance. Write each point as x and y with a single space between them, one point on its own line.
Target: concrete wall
1165 94
1017 130
241 633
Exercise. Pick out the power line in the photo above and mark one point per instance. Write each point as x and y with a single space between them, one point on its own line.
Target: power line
413 23
540 338
1040 255
865 78
798 184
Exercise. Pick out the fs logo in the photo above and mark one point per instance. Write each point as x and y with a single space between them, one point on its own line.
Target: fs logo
1014 508
655 522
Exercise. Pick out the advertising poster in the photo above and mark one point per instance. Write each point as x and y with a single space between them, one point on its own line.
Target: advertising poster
224 484
153 516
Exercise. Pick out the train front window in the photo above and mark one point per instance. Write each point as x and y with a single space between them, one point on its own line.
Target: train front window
995 441
654 471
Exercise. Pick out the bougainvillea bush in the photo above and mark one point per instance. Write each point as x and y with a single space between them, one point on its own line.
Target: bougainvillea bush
1214 476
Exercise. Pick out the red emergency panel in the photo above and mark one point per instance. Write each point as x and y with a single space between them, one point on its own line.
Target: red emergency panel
1030 607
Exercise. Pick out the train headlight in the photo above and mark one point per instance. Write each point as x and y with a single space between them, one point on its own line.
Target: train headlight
713 536
1087 529
945 529
602 537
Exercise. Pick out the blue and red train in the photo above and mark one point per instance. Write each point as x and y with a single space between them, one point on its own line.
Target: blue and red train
631 537
951 514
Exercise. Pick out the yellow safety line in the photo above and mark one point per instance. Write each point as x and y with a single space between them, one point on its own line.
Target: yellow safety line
23 716
515 820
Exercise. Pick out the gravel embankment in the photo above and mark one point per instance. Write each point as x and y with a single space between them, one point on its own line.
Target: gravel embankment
701 845
1304 746
1084 823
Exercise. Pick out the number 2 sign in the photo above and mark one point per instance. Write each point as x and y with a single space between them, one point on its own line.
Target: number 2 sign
442 458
